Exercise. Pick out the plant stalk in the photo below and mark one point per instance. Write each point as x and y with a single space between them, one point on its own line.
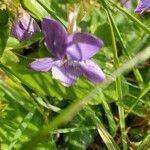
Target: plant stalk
118 81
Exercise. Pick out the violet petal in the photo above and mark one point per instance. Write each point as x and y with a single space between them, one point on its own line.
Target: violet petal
43 64
92 71
81 46
55 37
142 6
18 32
65 72
24 27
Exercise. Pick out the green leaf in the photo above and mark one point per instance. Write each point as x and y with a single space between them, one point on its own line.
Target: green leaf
83 138
41 8
144 143
4 29
112 124
16 94
45 85
21 128
9 58
51 12
67 1
35 8
134 105
19 105
104 35
106 137
13 43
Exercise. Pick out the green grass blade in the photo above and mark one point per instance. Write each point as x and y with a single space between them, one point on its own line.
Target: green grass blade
14 96
15 77
107 138
143 93
21 128
112 124
52 13
122 43
145 90
69 130
46 104
118 81
131 17
145 144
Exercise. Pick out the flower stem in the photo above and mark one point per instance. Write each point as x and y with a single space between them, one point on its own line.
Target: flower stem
72 15
118 86
118 80
135 70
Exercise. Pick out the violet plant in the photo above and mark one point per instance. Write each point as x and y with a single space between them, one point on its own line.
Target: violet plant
72 54
36 108
142 6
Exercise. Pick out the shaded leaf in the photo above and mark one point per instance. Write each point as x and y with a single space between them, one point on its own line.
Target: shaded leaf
4 29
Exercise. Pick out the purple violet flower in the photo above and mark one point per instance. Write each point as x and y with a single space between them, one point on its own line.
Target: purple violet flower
142 6
72 54
24 27
126 3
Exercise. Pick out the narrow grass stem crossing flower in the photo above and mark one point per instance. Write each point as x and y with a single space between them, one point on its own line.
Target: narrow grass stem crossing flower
24 27
142 6
72 54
